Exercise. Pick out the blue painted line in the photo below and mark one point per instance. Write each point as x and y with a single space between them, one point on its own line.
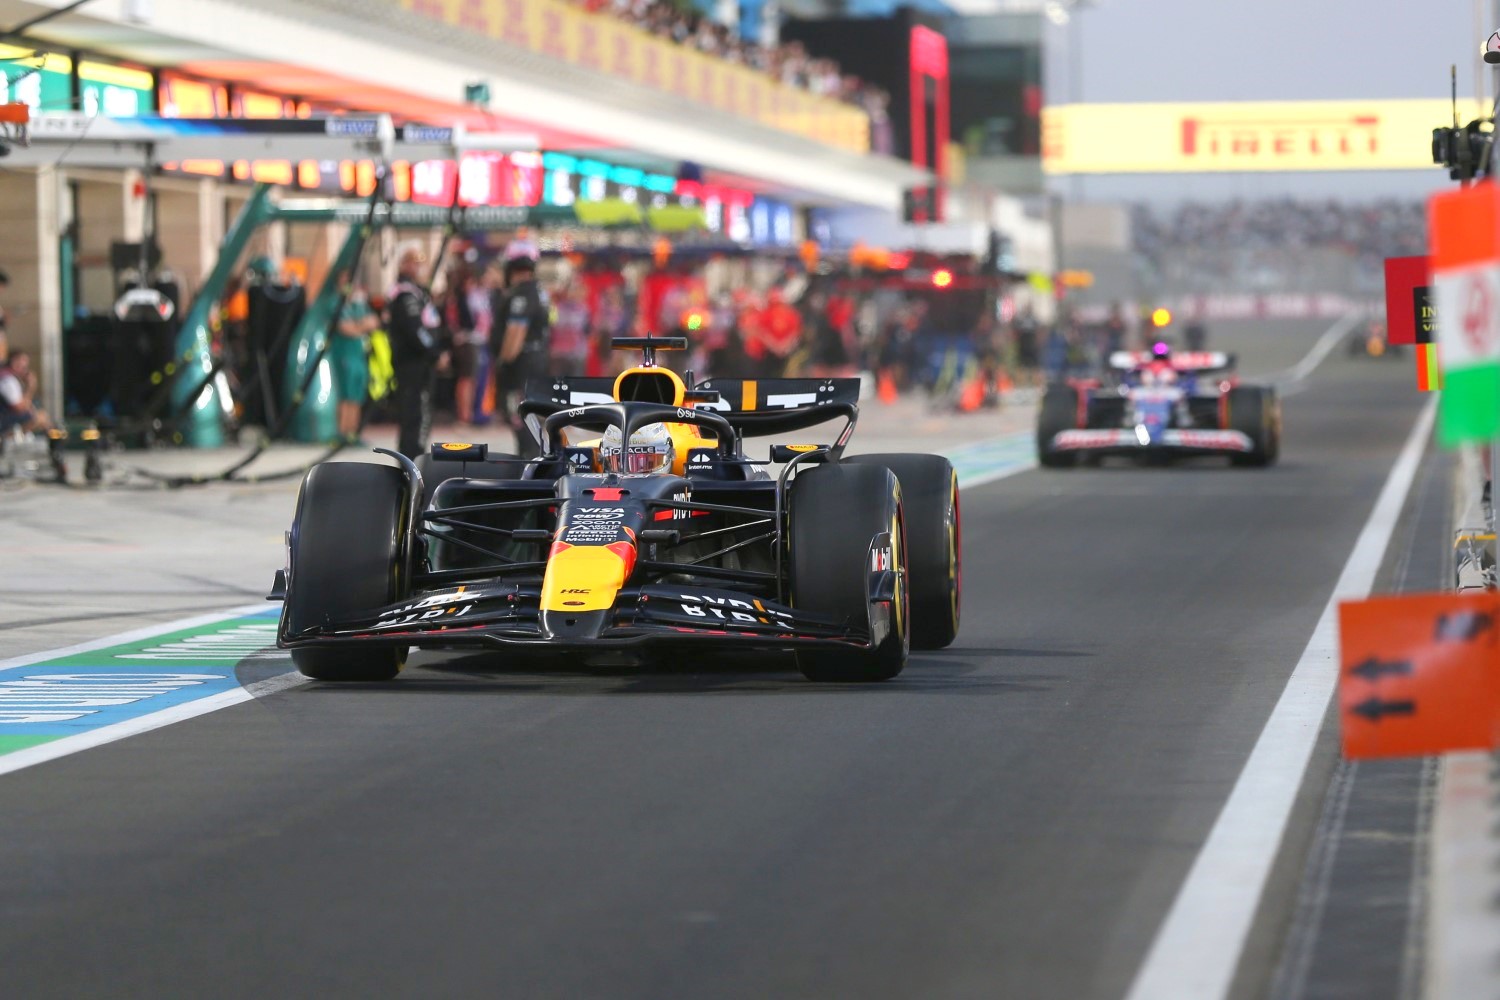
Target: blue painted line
74 692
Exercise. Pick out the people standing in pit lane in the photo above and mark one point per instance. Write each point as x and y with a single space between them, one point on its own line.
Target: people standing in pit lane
461 322
521 345
780 333
1113 334
1028 339
414 327
480 308
570 332
349 357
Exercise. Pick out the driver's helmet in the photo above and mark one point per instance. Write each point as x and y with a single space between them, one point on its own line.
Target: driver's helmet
1161 351
650 450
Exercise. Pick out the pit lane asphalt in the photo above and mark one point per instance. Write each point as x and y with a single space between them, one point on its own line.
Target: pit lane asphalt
1011 817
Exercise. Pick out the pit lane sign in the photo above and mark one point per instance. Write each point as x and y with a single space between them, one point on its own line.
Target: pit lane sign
1417 674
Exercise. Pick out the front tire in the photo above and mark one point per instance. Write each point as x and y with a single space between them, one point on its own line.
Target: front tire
347 542
934 552
836 512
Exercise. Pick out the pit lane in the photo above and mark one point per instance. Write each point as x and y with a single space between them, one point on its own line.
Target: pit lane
1010 817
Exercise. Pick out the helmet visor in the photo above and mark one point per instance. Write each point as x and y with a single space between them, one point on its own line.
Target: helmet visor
646 459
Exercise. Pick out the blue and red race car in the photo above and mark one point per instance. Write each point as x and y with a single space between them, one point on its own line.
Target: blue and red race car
1159 404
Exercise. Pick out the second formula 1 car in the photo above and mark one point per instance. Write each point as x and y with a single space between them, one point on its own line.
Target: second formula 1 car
1158 404
644 526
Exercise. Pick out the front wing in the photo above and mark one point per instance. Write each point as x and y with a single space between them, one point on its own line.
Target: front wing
506 615
1184 441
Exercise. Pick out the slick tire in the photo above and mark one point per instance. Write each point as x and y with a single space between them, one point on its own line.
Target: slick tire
494 466
1255 411
1058 413
346 549
934 543
836 512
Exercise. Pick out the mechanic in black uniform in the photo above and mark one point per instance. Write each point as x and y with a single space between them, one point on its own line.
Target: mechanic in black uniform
520 335
413 328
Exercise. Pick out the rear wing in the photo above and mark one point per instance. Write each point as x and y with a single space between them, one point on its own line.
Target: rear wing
760 407
1188 361
754 407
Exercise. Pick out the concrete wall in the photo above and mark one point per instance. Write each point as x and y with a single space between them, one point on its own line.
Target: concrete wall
32 201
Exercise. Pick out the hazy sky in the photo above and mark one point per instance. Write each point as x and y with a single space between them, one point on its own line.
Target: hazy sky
1240 50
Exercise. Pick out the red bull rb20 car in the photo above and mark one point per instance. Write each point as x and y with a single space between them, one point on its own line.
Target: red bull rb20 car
1160 405
643 527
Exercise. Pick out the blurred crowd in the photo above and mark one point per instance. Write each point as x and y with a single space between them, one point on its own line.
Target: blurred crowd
1276 244
902 335
789 63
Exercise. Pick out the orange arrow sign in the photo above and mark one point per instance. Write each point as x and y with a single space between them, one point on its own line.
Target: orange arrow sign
1419 674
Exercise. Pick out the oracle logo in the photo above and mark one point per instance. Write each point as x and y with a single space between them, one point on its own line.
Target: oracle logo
1354 137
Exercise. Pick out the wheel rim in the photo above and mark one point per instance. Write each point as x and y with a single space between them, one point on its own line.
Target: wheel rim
901 605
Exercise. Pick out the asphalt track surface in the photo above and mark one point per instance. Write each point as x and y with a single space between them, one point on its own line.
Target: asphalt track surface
1011 817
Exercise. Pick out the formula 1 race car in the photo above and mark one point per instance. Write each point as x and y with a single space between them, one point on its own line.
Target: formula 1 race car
1160 405
1372 341
642 527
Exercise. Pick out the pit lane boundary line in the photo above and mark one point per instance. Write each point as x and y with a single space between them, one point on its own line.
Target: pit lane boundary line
1290 381
133 635
1198 947
18 759
993 459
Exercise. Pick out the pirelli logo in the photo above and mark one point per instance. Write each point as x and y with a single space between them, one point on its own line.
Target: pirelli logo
1354 137
1245 136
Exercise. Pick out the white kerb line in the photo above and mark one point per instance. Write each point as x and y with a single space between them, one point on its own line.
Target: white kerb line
1198 947
1320 350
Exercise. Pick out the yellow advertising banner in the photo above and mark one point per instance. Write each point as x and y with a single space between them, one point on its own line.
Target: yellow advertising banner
1244 137
601 42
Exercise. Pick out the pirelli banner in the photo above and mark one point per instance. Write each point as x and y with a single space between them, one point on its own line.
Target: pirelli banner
600 42
1243 137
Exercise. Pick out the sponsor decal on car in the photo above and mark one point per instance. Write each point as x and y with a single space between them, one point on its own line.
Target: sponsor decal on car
732 609
1215 440
454 603
1082 440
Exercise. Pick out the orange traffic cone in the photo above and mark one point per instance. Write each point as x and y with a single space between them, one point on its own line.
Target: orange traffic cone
1003 384
886 387
972 397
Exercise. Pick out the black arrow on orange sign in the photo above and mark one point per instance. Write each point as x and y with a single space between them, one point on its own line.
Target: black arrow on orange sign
1372 668
1463 626
1374 709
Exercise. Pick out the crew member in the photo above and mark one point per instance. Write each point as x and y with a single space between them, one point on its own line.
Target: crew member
521 346
4 341
413 330
349 357
18 386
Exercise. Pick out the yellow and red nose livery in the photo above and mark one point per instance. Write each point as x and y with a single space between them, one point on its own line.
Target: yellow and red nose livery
586 577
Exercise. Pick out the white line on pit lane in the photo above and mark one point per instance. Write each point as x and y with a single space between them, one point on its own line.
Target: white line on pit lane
1198 947
1293 380
18 759
134 635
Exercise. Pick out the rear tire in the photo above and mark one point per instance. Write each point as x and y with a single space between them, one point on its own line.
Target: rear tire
835 513
934 551
1059 412
346 557
1255 412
